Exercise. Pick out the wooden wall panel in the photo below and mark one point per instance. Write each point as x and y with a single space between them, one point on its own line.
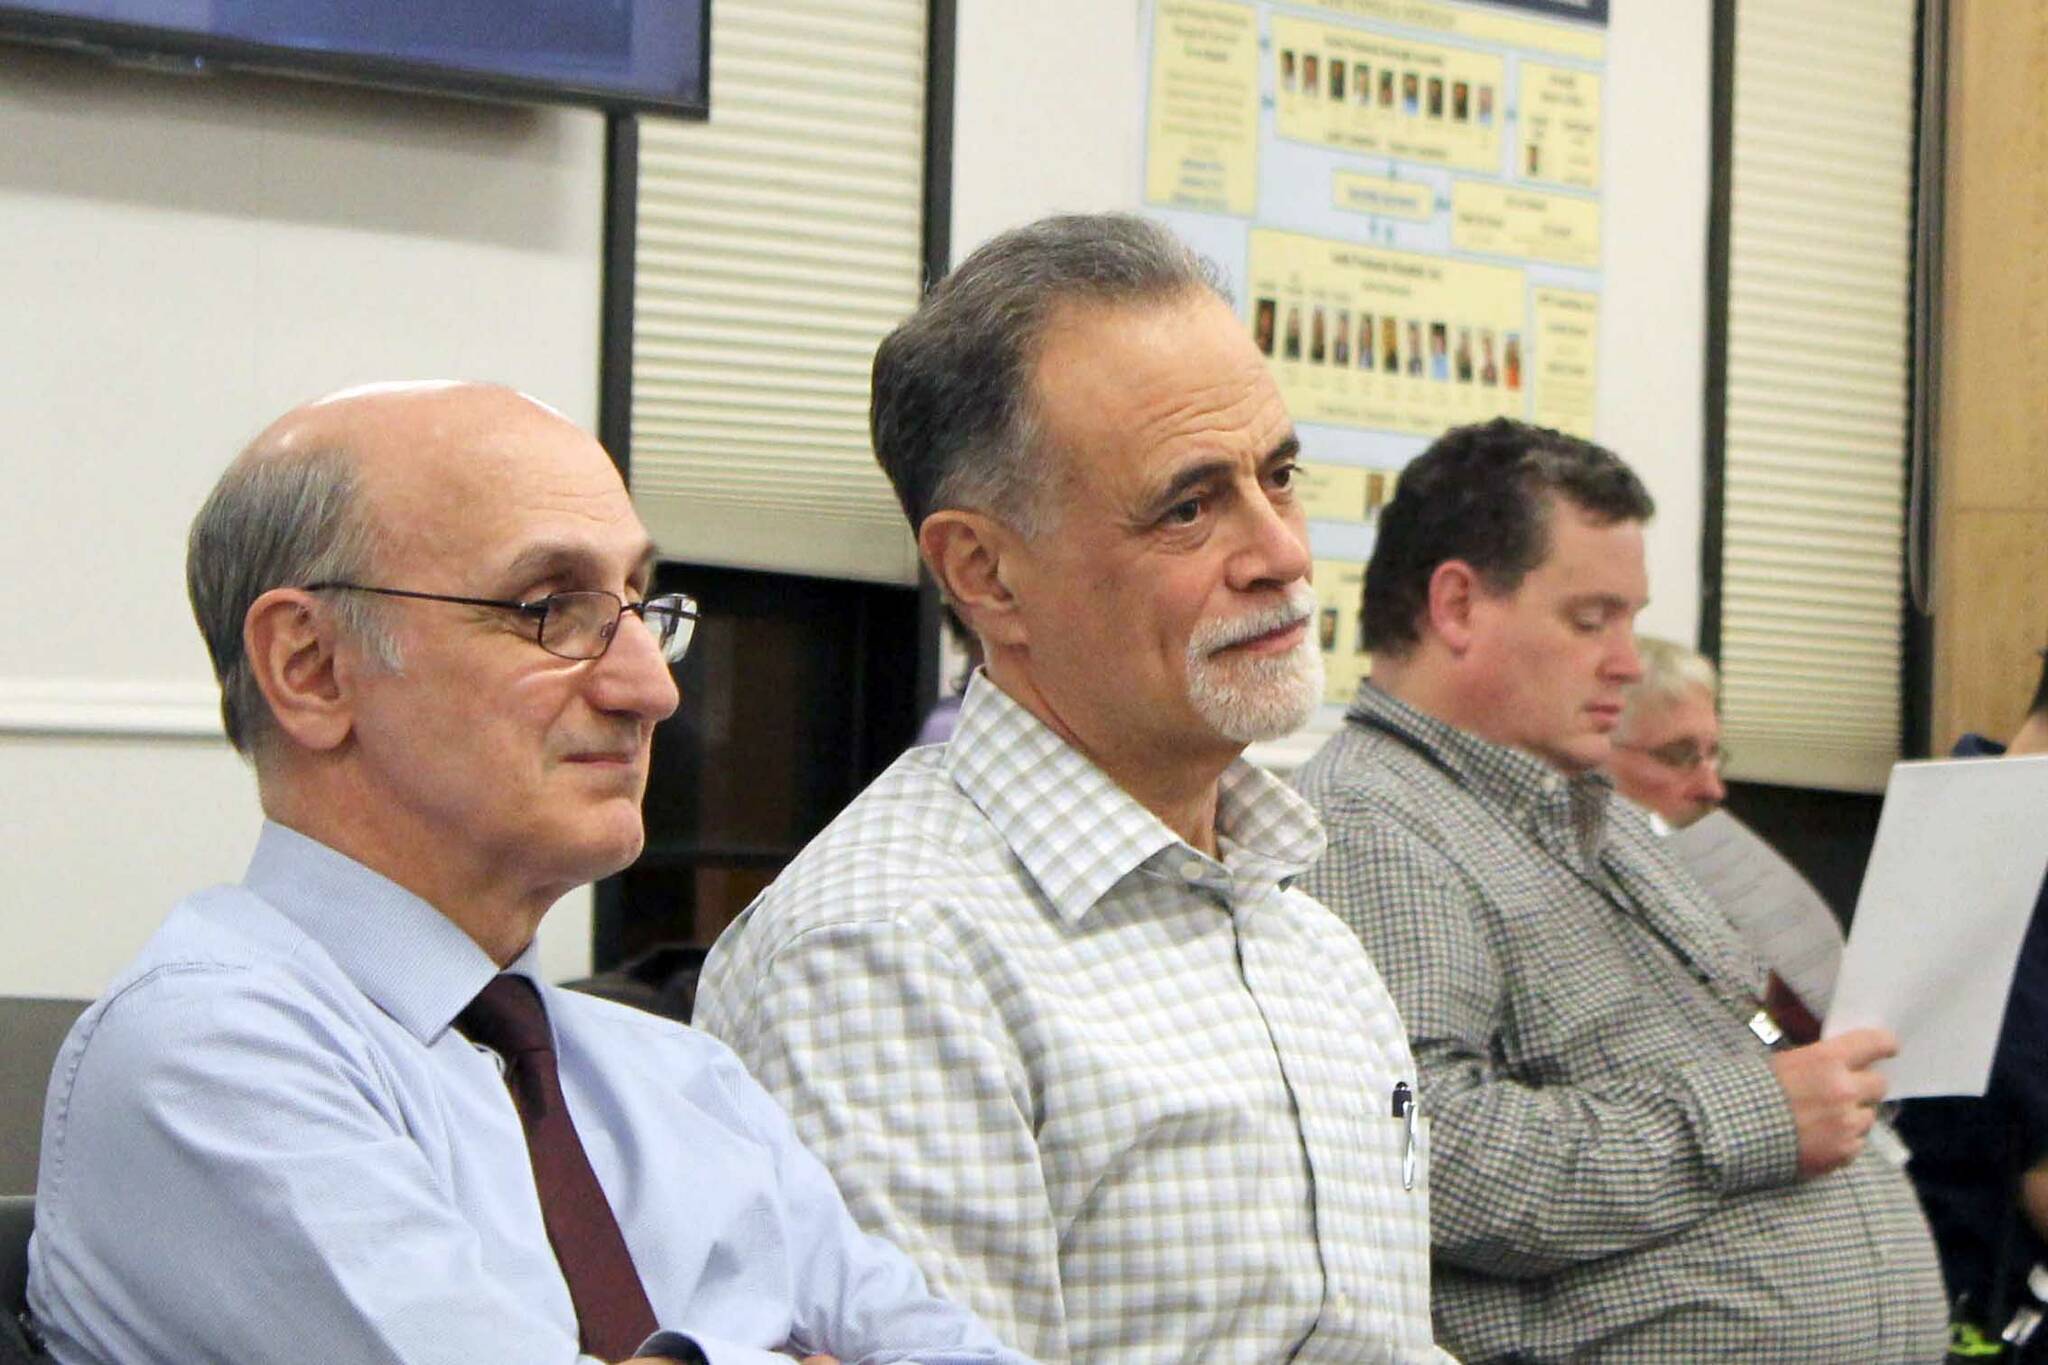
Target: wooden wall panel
1991 566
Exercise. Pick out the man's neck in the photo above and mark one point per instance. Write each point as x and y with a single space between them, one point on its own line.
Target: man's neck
500 919
1414 679
1181 791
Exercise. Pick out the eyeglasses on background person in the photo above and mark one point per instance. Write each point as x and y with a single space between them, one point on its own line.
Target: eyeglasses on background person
1681 755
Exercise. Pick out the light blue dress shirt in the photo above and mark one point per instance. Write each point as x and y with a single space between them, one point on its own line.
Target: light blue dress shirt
266 1143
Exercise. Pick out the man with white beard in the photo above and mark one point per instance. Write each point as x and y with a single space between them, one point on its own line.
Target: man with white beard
1044 999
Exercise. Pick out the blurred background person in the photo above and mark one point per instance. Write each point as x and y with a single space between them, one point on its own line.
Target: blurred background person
1981 1164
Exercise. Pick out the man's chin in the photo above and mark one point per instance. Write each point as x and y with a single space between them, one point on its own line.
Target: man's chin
1254 716
610 846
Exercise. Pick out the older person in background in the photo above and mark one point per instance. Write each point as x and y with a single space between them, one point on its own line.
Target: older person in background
1667 759
1667 747
332 1112
1046 999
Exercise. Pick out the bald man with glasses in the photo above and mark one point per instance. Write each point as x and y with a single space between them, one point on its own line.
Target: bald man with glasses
332 1111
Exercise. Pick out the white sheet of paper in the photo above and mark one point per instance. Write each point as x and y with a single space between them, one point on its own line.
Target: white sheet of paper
1961 850
1778 913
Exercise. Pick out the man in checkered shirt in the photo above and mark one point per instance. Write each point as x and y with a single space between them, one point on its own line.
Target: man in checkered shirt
1044 998
1625 1168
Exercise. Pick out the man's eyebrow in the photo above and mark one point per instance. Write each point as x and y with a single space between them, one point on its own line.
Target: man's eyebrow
1195 475
1186 480
1289 448
1606 601
561 559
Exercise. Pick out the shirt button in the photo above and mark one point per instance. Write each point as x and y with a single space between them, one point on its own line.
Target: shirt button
1194 870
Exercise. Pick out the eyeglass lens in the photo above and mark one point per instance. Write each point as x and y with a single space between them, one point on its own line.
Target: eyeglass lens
580 625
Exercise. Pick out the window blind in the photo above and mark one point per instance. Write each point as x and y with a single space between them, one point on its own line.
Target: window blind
1816 435
777 244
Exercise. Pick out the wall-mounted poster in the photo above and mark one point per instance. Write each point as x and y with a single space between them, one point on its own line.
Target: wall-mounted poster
1404 196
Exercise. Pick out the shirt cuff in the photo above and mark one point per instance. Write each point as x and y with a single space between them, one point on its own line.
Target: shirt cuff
695 1348
1744 1127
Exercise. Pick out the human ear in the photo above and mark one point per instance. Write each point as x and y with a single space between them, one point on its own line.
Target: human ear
1454 597
972 557
289 644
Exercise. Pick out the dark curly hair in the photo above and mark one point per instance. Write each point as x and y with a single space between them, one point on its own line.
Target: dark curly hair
1481 494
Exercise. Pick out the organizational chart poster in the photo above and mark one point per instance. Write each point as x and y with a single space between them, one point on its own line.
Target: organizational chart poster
1405 196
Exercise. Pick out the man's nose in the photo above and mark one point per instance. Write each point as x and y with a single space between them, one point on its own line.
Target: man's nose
1276 547
1707 784
633 677
1624 663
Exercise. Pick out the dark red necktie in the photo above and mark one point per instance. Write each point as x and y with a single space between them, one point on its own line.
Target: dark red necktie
612 1311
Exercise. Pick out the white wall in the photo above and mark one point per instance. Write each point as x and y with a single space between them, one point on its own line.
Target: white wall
184 260
1047 118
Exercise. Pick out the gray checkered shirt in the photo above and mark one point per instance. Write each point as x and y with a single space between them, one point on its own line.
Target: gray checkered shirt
1128 1102
1616 1167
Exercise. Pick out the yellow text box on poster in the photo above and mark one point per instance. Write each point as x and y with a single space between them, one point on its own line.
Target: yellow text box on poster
1343 492
1363 92
1331 492
1201 143
1563 39
1567 325
1340 603
1359 193
1560 110
1496 220
1388 340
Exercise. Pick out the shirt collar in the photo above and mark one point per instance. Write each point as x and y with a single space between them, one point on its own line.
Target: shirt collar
1078 833
408 958
1527 788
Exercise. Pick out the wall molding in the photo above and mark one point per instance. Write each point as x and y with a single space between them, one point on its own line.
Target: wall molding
100 707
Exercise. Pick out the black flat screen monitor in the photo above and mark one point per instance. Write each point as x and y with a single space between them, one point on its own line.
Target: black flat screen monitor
615 54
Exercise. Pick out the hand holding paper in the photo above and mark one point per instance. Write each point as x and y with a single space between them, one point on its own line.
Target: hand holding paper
1833 1094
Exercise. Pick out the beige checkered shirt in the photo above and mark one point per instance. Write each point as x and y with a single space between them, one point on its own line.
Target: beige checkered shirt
1128 1102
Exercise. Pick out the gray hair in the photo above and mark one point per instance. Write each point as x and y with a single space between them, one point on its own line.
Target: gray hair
1669 670
953 416
278 521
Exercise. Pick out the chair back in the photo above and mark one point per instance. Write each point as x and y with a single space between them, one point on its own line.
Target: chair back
17 1220
33 1030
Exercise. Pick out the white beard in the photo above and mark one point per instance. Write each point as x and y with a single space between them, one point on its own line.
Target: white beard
1249 699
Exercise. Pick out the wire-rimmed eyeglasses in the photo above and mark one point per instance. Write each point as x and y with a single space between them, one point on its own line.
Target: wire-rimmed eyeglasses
1681 755
572 625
